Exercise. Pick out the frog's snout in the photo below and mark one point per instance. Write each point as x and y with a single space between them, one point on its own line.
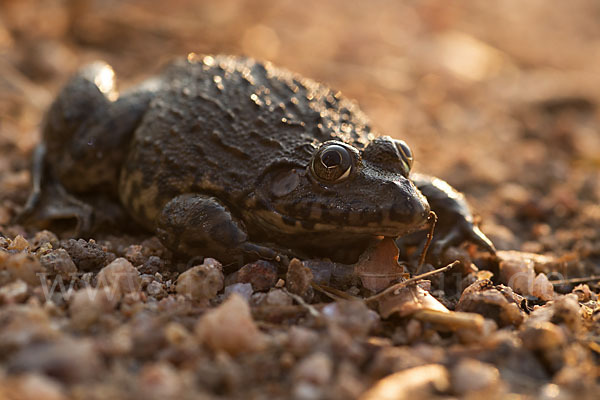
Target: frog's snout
409 207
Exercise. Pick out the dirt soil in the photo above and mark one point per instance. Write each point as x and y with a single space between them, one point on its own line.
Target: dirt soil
498 98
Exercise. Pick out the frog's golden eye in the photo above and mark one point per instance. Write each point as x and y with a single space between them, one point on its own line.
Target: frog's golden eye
332 163
405 154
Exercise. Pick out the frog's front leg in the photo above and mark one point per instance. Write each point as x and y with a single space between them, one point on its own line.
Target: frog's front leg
455 220
200 225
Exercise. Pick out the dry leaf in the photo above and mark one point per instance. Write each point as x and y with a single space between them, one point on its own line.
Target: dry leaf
499 303
540 263
409 300
518 270
378 266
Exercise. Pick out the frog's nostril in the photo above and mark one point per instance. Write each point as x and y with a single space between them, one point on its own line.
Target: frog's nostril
409 206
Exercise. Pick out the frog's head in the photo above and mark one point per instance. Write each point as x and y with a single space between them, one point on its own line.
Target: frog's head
345 192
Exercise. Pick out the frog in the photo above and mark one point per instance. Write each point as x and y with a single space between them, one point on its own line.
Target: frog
232 158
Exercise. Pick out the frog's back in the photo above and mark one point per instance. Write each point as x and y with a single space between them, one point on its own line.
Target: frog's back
220 122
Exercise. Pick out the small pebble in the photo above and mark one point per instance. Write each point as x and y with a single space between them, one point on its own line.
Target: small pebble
155 289
499 303
44 237
58 262
22 266
542 336
258 298
176 333
201 282
542 288
353 316
307 391
147 334
14 292
68 360
261 274
87 305
152 265
243 289
159 381
134 254
301 340
230 328
277 297
317 369
33 386
23 324
470 376
88 256
121 276
19 243
566 310
518 273
298 279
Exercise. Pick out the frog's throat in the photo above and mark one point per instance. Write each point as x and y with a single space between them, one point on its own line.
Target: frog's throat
270 220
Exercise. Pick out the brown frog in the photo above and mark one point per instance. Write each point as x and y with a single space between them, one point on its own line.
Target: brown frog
232 158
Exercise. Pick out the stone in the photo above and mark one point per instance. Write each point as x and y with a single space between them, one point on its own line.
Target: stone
298 279
471 376
120 276
317 369
261 274
68 360
87 305
201 282
58 262
230 328
243 289
14 292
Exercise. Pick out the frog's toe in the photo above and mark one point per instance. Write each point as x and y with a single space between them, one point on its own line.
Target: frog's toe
463 231
266 253
57 210
479 238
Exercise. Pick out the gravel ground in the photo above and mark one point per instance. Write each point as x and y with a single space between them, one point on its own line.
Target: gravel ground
498 98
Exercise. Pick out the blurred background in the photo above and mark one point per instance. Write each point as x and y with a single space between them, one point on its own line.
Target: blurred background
498 98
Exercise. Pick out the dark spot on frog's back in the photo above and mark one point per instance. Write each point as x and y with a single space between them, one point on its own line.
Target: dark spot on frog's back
265 140
221 139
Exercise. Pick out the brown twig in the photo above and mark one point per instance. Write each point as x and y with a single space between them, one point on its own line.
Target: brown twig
451 320
402 284
432 219
313 311
333 293
569 281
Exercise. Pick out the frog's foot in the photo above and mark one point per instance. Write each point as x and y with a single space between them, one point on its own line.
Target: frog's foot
455 223
463 230
196 224
54 208
49 204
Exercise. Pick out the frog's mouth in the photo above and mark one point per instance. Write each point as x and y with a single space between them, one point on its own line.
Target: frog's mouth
385 226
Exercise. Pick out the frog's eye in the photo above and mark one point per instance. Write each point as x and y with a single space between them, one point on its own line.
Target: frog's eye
332 163
405 154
